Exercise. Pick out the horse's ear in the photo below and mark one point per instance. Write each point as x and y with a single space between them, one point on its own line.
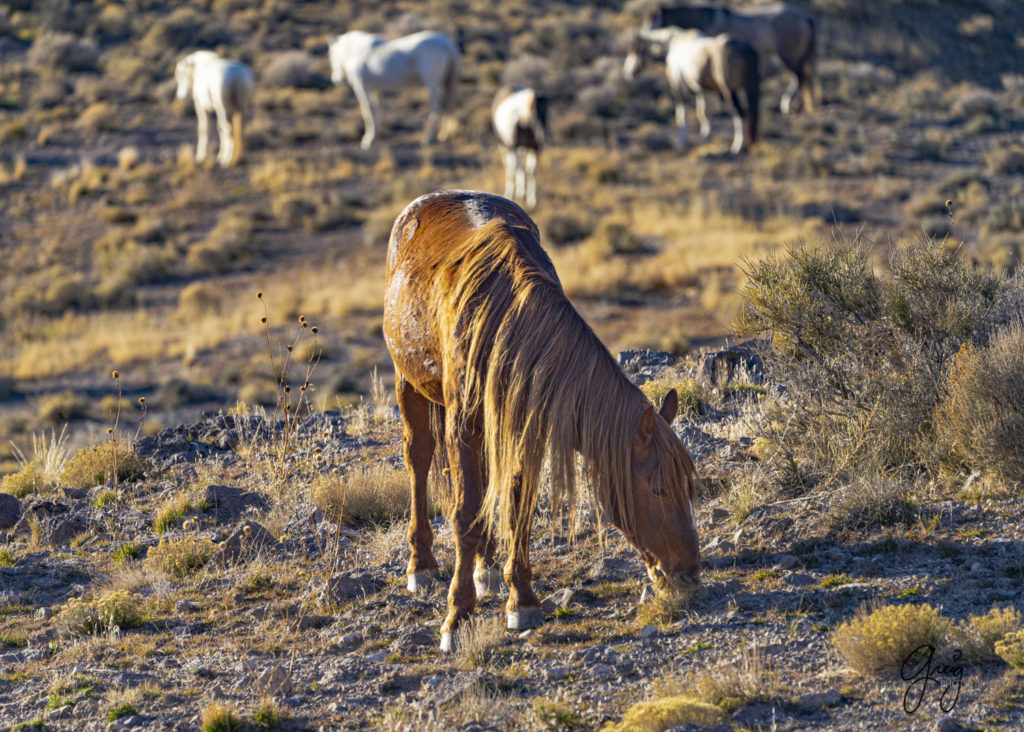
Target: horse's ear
670 406
645 431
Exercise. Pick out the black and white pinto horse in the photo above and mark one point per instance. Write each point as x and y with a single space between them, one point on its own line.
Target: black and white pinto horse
520 121
774 31
698 63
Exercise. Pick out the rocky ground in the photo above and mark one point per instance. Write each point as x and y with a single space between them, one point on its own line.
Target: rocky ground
316 616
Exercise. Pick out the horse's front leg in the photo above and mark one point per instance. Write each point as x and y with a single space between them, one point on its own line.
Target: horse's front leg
523 610
702 115
418 445
203 132
464 443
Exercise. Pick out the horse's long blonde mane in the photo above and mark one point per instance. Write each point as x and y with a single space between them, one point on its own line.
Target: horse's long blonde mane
541 381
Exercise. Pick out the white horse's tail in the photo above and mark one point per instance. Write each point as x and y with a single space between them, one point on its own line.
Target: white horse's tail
449 89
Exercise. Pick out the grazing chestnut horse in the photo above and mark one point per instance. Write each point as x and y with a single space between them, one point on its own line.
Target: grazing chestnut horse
488 350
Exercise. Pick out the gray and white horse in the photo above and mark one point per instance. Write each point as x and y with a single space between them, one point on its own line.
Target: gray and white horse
774 30
370 63
223 87
520 121
699 63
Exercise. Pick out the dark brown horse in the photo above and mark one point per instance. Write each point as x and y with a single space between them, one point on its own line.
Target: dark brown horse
491 358
773 30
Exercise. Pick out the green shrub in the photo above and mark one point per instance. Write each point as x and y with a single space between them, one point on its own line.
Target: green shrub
985 631
863 356
1011 649
980 420
96 465
116 608
25 481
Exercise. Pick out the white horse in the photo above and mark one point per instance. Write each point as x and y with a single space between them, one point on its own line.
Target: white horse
370 63
520 121
221 86
700 63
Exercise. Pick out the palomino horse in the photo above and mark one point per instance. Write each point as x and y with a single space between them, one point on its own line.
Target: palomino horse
520 121
704 63
488 348
223 87
774 30
369 63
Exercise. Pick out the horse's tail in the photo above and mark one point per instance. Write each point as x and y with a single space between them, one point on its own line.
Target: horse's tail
753 87
241 107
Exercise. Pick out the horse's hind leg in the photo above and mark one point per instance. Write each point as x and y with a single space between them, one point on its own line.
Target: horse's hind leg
523 610
418 444
702 115
739 138
203 132
791 102
464 443
226 153
433 118
366 106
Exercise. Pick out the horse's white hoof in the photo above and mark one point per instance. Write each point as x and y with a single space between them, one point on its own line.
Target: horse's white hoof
366 144
487 582
421 580
447 642
525 618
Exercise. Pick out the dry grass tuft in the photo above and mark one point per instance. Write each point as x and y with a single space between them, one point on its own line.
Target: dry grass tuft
1011 649
112 609
109 462
661 714
220 717
478 638
179 558
378 495
981 418
879 639
983 632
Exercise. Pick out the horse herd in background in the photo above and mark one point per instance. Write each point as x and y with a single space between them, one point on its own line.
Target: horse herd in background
705 49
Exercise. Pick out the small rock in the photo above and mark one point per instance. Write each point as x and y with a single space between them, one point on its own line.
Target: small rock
754 715
555 674
43 613
350 640
183 607
819 700
718 516
431 682
798 579
787 561
560 600
602 671
648 632
314 621
625 667
10 510
948 724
